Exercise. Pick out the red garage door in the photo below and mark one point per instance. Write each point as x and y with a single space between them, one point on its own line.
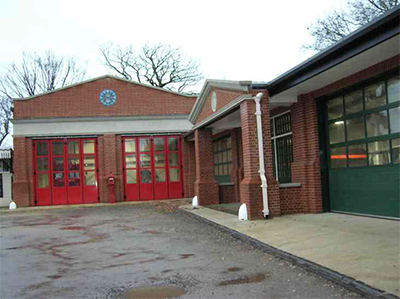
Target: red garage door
152 167
65 171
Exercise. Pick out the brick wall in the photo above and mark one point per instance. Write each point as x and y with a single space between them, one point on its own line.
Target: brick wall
83 101
227 194
189 164
291 200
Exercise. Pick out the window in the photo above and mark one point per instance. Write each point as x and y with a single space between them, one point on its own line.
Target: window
222 150
282 147
364 125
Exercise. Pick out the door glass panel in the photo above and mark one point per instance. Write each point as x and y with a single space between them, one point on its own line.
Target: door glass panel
130 161
394 115
89 163
90 178
379 152
377 124
335 108
159 160
354 102
131 177
74 179
160 175
358 155
42 164
58 179
355 128
58 164
144 145
375 95
394 89
73 163
145 160
130 145
173 144
174 175
145 175
73 148
43 180
41 148
158 144
58 148
396 150
88 146
336 132
338 157
173 159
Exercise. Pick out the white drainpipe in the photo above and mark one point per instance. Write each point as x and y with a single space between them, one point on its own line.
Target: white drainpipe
264 183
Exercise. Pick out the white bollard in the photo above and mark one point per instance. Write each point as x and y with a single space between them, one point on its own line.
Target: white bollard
243 212
12 206
195 202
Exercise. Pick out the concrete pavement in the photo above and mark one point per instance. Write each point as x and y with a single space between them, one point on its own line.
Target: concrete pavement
366 249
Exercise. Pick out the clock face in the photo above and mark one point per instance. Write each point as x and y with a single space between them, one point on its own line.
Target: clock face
108 97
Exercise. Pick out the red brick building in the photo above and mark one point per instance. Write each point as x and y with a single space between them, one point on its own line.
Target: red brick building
330 136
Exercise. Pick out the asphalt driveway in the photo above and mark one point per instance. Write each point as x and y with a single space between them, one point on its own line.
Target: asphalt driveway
107 252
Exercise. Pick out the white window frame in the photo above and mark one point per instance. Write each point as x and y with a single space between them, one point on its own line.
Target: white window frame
272 118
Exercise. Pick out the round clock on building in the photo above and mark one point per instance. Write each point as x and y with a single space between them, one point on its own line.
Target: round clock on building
108 97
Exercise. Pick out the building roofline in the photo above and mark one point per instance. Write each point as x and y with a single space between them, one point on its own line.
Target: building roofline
99 78
384 27
208 85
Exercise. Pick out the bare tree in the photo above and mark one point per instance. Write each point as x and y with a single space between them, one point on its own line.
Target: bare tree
339 23
159 65
35 74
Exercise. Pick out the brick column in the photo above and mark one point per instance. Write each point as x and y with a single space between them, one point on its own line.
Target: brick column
189 167
110 165
306 166
23 172
206 188
250 187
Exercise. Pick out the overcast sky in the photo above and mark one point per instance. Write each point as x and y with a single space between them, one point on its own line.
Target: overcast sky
233 40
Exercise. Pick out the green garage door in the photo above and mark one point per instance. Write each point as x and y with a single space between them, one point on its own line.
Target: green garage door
363 129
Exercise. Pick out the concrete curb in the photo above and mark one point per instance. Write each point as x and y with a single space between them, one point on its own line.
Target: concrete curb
345 281
89 205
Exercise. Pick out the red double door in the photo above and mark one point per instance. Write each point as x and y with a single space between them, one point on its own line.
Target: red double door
152 167
65 171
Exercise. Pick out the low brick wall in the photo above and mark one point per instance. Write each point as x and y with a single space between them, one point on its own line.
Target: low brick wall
291 202
227 194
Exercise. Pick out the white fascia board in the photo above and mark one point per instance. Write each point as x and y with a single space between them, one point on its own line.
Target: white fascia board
233 104
35 128
205 91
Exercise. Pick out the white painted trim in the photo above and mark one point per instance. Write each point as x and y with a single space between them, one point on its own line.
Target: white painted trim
277 137
99 78
223 110
208 85
100 127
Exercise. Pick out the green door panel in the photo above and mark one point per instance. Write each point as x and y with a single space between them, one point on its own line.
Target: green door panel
366 190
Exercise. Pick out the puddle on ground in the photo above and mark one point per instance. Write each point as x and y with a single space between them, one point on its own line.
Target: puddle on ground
234 269
185 256
153 292
248 279
72 228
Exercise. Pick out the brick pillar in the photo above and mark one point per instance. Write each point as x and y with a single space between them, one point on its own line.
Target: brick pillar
110 165
306 166
206 188
250 187
189 167
23 172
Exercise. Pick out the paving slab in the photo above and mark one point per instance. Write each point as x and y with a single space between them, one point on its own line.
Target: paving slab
366 249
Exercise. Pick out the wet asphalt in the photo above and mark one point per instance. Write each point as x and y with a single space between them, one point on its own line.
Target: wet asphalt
105 252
